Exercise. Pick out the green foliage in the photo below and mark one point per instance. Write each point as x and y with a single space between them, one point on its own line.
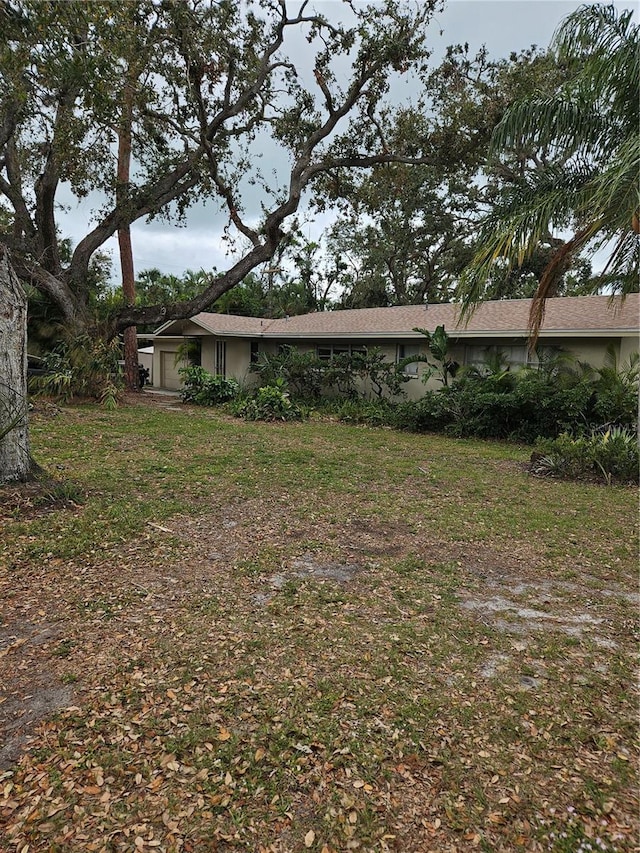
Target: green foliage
524 405
405 233
369 412
385 378
346 375
612 455
438 343
203 389
431 413
83 367
302 372
271 403
156 288
586 177
616 390
207 83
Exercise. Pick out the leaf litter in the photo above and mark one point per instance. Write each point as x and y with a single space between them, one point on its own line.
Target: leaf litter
362 704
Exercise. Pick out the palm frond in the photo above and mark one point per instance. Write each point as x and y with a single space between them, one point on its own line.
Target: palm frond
551 276
562 123
590 130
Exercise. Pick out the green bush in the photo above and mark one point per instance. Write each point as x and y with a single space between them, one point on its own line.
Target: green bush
384 378
309 377
203 389
611 455
431 413
301 371
82 367
370 412
271 403
615 390
519 406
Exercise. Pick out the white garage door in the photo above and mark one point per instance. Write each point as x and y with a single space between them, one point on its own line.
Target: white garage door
169 376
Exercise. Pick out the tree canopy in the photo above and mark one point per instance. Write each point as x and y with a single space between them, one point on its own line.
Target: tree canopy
580 170
212 81
404 234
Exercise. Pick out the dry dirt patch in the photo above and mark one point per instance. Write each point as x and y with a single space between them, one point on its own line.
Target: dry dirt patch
30 691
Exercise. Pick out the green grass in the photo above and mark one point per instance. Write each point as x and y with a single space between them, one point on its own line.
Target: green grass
226 696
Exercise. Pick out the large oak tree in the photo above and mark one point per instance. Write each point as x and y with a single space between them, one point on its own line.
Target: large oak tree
214 82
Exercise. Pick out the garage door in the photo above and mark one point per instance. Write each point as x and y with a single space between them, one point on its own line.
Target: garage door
169 376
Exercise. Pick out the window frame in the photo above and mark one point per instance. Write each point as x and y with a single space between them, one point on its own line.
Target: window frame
221 358
410 370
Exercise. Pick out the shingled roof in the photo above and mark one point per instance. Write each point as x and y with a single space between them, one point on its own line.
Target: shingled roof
594 316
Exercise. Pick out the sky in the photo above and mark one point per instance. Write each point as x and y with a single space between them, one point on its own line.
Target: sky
502 25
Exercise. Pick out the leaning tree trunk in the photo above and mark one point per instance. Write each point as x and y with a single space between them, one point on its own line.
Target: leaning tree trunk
15 458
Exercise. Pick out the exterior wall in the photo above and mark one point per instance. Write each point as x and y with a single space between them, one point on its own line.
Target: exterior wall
208 353
590 350
238 354
593 351
628 346
238 357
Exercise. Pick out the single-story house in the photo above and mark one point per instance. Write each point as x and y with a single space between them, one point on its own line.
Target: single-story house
227 345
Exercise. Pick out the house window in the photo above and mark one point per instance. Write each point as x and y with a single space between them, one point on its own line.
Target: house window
254 352
328 352
495 357
407 351
221 358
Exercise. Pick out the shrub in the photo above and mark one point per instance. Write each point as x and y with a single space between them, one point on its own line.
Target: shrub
308 376
383 377
370 412
301 371
84 367
615 397
203 389
431 413
611 455
271 403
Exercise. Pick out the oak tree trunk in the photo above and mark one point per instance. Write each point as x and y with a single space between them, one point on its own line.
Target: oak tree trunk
15 457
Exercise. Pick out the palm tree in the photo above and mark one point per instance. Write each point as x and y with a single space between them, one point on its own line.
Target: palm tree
585 143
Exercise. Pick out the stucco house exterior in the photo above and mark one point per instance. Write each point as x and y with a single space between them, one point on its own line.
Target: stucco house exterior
582 325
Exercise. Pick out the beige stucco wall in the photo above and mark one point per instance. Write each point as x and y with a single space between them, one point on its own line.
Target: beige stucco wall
238 356
593 351
238 353
628 346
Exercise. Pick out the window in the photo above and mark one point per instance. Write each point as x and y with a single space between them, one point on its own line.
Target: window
254 353
408 351
325 353
221 358
496 357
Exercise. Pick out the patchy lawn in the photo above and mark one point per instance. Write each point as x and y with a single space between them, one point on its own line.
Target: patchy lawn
224 636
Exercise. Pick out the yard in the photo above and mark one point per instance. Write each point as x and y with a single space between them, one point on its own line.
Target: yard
219 636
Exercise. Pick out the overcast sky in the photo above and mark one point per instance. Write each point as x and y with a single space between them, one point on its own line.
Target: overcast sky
502 25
